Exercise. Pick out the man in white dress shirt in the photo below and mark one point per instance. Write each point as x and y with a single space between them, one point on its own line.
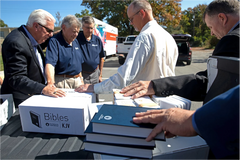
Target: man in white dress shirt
153 54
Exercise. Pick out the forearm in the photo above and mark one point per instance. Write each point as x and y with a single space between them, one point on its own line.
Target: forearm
101 65
49 70
190 86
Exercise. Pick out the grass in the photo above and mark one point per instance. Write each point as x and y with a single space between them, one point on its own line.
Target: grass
1 62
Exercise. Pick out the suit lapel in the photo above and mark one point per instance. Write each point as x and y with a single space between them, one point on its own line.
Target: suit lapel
34 56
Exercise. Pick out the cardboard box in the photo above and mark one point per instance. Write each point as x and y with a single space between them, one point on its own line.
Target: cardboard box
7 108
65 115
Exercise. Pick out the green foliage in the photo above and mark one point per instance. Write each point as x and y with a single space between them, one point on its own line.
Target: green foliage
2 24
1 62
84 12
175 30
193 24
115 13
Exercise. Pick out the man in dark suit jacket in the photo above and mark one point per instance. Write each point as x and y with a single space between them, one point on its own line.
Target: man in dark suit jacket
23 59
217 122
222 17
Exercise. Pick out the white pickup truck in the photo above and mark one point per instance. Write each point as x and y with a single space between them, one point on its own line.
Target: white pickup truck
124 46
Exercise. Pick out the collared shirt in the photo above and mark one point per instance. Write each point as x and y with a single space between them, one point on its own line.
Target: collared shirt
153 55
234 27
35 44
65 58
92 51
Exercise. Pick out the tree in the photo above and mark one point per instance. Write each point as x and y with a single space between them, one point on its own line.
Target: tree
192 23
84 12
58 21
165 12
2 24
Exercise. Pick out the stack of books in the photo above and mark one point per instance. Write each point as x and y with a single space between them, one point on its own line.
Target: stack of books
144 101
112 131
172 102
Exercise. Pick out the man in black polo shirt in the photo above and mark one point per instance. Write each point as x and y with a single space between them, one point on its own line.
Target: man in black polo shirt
64 57
92 49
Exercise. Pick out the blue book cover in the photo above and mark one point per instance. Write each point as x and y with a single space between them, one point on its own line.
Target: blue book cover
117 120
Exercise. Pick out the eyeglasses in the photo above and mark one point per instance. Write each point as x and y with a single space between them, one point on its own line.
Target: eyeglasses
90 28
131 19
47 29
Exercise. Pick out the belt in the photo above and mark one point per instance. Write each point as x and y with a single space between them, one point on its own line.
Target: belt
90 72
69 76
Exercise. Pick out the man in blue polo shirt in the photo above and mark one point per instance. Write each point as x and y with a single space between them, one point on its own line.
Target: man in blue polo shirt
92 49
64 57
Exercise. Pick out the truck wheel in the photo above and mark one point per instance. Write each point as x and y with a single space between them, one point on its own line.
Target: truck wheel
121 60
188 62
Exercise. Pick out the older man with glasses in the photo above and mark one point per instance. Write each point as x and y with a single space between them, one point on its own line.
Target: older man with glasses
153 54
92 48
24 61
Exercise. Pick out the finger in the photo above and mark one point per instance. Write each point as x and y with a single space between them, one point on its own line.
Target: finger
157 111
141 92
53 94
61 93
134 91
169 135
156 130
79 89
130 87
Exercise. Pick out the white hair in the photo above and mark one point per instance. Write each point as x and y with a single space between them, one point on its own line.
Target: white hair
40 16
71 20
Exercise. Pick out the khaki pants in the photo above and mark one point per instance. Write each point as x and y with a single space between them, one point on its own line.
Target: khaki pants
68 83
92 78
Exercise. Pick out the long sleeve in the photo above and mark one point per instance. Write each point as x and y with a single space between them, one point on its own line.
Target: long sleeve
192 87
218 123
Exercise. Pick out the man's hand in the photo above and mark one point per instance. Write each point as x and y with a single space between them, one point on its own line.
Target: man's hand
51 90
100 79
173 121
139 89
85 88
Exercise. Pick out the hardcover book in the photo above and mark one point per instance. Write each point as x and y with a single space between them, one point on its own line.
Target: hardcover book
118 150
117 120
116 139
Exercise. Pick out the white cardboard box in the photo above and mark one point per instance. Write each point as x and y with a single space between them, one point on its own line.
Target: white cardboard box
7 108
65 115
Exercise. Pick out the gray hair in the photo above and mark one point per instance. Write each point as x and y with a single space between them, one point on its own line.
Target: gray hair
71 20
88 20
222 6
141 4
40 16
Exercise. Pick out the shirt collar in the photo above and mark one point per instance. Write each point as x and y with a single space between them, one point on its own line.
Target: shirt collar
234 27
33 41
150 23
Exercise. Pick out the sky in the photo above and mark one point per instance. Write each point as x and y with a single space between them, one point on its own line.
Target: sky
14 13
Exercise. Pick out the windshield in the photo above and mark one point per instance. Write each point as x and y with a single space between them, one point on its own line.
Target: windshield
131 38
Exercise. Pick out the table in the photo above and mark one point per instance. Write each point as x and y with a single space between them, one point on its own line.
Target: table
16 144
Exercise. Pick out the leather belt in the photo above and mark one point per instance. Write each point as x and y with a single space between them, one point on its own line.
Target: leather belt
69 76
90 72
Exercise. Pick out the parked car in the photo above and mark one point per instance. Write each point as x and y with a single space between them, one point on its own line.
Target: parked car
124 47
184 49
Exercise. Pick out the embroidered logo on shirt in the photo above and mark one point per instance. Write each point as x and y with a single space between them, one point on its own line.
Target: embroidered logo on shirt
76 48
94 45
